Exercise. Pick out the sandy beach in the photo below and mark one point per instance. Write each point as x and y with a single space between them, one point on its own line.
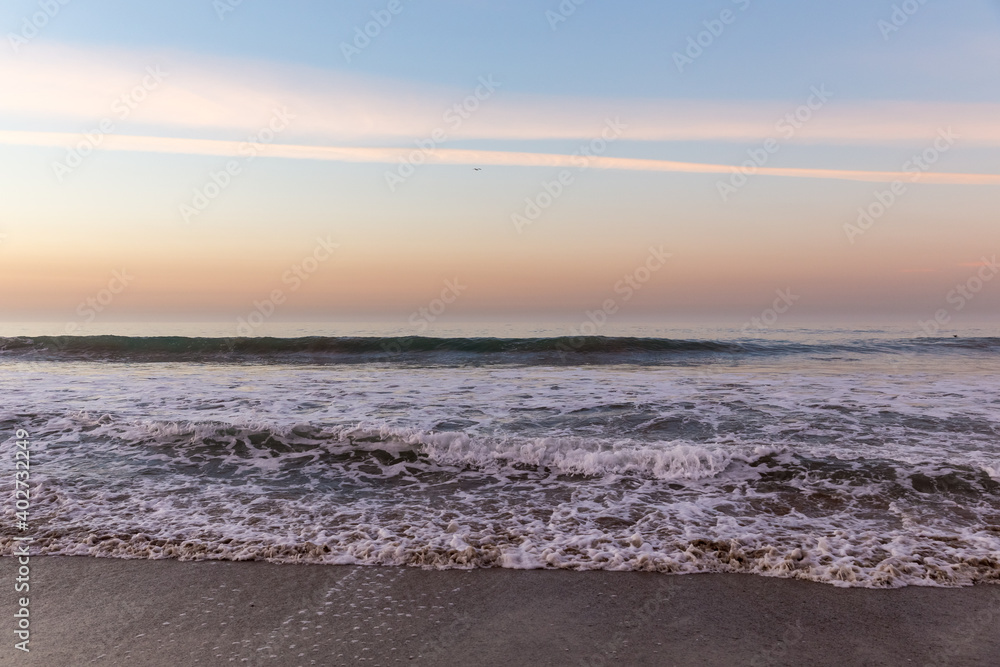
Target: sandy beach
140 612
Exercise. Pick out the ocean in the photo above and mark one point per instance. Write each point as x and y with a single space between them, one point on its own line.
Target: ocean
866 458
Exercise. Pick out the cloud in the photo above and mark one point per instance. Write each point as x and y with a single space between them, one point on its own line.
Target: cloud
60 88
450 156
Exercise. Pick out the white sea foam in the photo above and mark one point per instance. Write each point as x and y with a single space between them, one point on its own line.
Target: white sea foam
848 476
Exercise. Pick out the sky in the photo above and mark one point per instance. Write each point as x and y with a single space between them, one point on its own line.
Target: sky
653 161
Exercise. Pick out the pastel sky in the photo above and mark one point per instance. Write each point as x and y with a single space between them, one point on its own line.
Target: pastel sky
213 153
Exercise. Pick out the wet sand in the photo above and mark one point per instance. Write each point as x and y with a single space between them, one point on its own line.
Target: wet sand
118 612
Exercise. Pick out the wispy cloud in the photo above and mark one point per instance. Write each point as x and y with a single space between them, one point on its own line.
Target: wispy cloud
63 88
444 156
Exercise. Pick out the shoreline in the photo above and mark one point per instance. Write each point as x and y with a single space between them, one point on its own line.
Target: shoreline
165 612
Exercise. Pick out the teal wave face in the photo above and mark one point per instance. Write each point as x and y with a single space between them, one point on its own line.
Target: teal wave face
554 350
